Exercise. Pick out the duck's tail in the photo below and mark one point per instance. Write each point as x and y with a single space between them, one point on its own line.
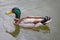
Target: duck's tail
46 20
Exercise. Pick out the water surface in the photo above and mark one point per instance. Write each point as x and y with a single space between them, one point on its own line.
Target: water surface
35 8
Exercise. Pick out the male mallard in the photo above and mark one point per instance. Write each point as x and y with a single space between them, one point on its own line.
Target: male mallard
29 22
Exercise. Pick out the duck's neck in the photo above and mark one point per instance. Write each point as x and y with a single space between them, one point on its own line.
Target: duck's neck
17 15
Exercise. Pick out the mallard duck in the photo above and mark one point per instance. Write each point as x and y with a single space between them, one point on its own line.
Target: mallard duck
29 22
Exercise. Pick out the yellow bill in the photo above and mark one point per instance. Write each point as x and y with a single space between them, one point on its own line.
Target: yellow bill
9 12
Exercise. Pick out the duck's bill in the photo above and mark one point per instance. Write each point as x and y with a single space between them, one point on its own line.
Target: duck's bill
9 12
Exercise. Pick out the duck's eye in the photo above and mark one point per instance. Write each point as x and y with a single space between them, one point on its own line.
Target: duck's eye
13 10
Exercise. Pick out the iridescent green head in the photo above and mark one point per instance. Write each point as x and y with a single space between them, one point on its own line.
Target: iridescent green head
16 11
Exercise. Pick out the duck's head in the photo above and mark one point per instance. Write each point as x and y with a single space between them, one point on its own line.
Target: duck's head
16 11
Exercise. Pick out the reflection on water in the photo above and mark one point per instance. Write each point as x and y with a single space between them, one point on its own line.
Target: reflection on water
36 8
43 27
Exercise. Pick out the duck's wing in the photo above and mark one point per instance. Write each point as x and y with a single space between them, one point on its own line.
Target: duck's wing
34 17
26 23
33 20
29 22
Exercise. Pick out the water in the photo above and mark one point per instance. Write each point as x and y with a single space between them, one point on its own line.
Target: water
33 8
